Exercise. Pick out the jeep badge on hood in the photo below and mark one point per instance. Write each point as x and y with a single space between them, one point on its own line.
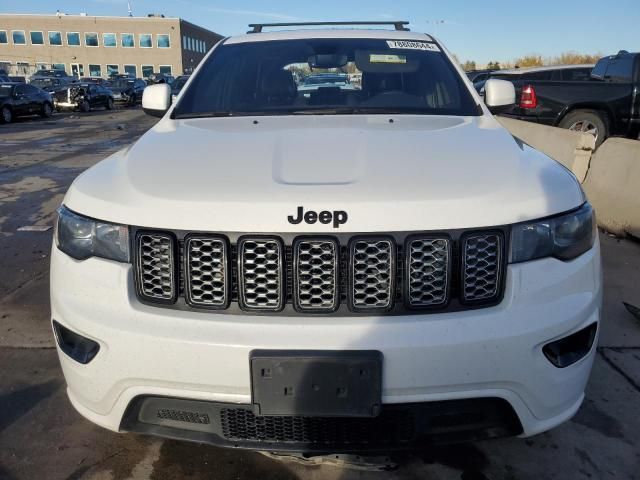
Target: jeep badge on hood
338 217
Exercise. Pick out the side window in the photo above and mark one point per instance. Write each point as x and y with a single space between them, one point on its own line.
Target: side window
600 69
21 90
576 74
537 75
30 89
620 70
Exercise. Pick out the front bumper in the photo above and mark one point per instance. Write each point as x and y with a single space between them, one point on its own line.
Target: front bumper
493 352
65 105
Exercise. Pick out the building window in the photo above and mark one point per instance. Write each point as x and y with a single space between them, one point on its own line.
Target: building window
109 40
58 66
166 69
184 42
163 41
145 40
41 66
147 70
131 70
112 70
95 70
3 37
55 38
37 38
91 39
18 37
73 39
22 68
127 40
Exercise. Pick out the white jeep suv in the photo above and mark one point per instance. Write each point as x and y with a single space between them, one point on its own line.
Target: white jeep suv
364 265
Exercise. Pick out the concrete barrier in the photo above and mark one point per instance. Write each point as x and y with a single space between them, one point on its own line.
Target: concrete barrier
610 175
613 186
572 149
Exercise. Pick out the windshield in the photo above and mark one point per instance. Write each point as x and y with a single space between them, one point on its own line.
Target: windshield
42 82
122 83
5 91
332 76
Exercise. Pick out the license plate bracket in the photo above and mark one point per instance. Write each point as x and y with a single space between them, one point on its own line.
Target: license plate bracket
322 383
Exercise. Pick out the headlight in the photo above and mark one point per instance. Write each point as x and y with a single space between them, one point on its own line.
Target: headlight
564 237
82 237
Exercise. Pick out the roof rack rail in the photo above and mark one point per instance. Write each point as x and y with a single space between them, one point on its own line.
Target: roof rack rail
257 27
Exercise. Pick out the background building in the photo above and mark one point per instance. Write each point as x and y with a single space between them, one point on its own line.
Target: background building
83 45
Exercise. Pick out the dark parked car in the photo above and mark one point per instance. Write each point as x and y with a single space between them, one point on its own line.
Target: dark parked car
128 90
156 78
50 73
19 99
96 81
4 78
178 84
605 103
51 84
83 97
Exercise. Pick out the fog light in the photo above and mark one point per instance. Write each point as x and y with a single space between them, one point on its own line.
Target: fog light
569 350
80 348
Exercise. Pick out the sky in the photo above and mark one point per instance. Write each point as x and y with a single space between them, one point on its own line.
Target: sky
479 30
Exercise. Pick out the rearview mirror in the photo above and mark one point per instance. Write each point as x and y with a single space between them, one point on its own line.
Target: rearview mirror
328 61
499 95
156 99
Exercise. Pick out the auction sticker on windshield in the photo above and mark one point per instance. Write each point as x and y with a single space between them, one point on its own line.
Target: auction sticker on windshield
405 44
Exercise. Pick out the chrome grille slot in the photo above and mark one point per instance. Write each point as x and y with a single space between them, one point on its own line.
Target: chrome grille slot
372 273
261 274
427 268
156 266
207 271
481 267
316 274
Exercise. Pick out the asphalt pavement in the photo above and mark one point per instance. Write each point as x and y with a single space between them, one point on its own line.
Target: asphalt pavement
42 437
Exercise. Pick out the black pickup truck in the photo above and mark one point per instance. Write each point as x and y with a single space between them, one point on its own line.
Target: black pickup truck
605 104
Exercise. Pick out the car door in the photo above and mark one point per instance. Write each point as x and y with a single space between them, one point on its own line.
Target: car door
33 97
20 101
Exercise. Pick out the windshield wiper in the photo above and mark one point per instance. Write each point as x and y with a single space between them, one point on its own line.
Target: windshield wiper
359 110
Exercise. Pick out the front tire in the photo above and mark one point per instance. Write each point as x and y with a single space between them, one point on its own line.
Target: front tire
109 103
587 121
47 110
85 106
6 115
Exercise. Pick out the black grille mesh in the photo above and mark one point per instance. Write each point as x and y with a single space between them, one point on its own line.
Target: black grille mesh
183 416
481 266
319 274
428 271
155 266
316 274
261 273
372 273
393 426
206 271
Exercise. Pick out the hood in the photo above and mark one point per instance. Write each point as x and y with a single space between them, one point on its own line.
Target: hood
248 174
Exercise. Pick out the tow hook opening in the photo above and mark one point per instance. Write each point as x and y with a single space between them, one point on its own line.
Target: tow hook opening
79 348
569 350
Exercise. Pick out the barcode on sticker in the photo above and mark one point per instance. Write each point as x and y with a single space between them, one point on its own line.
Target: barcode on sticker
405 44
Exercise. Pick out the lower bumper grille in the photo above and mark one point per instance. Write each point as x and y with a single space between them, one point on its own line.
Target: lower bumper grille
399 426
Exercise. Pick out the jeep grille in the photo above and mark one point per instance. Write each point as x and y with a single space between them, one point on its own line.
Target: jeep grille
428 271
346 275
481 266
156 266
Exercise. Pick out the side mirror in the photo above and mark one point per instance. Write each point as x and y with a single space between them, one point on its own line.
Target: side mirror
499 95
156 99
